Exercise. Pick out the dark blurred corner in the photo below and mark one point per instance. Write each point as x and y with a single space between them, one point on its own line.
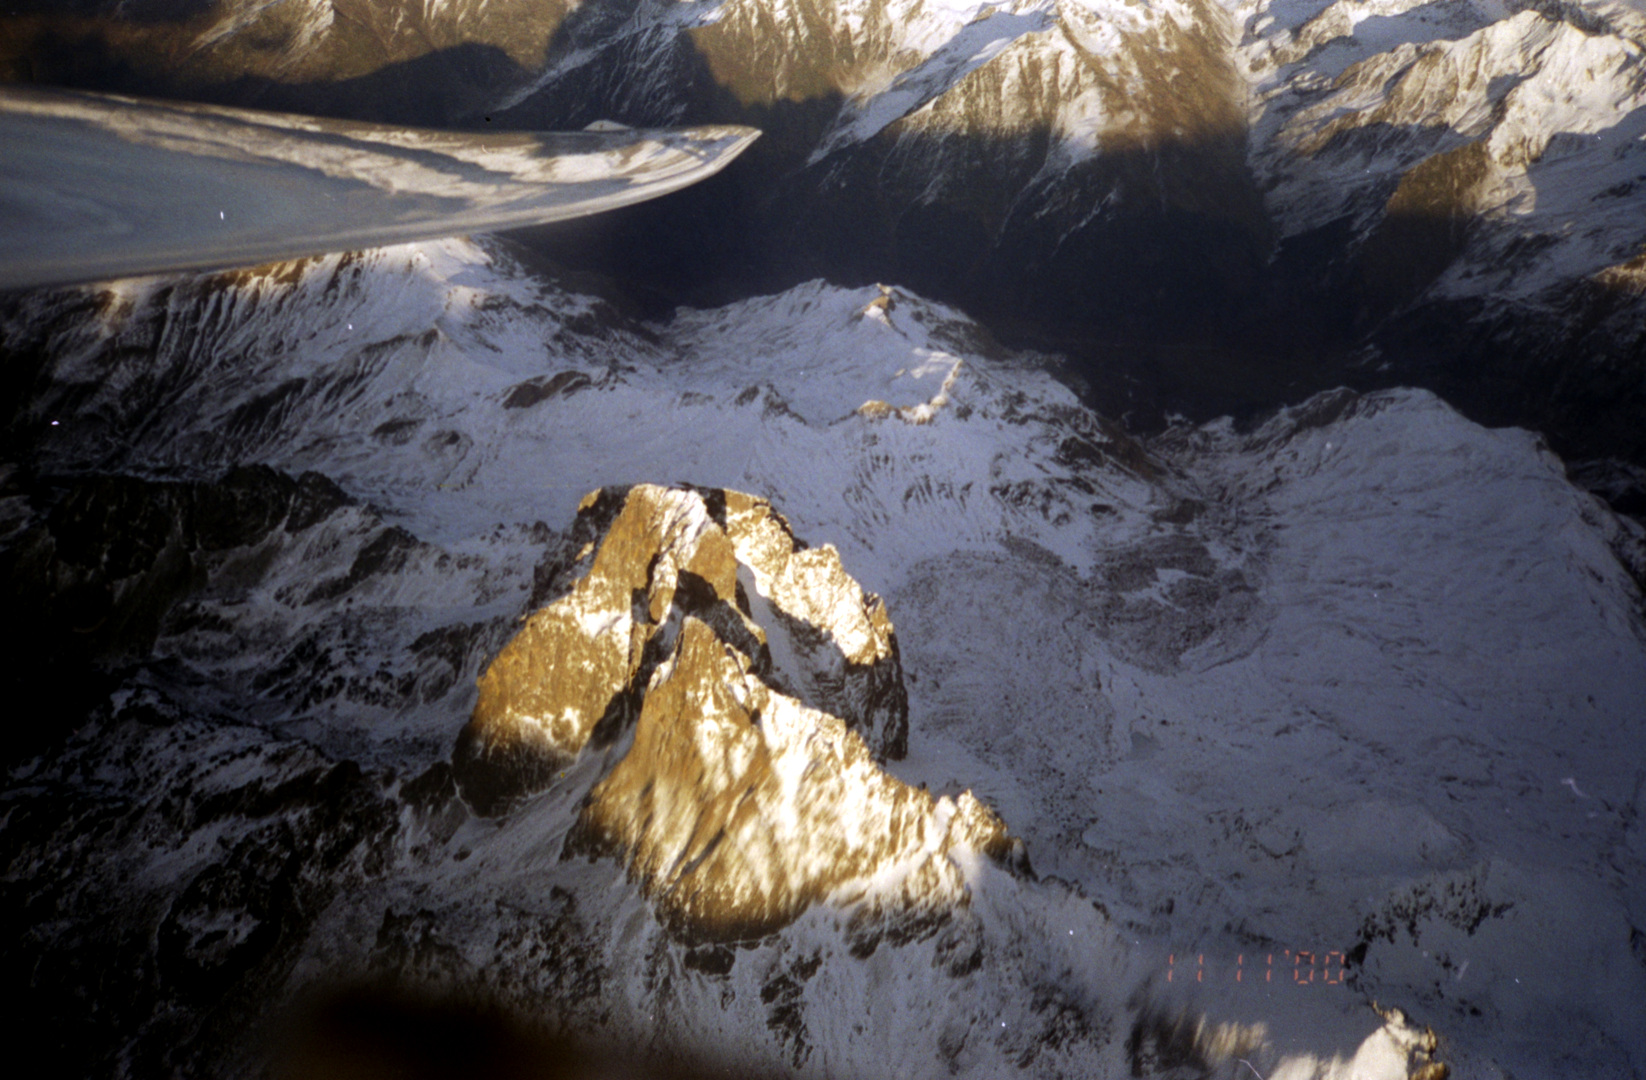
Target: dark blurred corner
388 1032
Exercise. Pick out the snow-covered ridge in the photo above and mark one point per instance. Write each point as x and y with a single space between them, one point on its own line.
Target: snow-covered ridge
1089 74
442 387
1534 112
1342 100
1386 176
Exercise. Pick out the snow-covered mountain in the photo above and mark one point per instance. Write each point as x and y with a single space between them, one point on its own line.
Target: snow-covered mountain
760 685
1287 721
409 61
803 682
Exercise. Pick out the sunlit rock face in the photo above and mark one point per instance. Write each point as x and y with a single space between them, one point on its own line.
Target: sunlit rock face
755 684
430 61
654 557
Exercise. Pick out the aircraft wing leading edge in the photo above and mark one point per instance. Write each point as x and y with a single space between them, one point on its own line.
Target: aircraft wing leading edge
95 186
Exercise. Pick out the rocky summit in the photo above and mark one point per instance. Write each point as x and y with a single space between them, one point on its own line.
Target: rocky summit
744 686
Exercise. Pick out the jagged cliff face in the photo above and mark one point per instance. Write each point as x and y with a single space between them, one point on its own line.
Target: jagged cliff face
581 666
753 685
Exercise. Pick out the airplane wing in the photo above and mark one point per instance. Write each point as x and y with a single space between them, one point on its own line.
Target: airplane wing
95 186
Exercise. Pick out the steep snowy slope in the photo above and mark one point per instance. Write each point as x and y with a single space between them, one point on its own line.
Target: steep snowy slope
1508 140
1289 720
1065 160
1232 204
